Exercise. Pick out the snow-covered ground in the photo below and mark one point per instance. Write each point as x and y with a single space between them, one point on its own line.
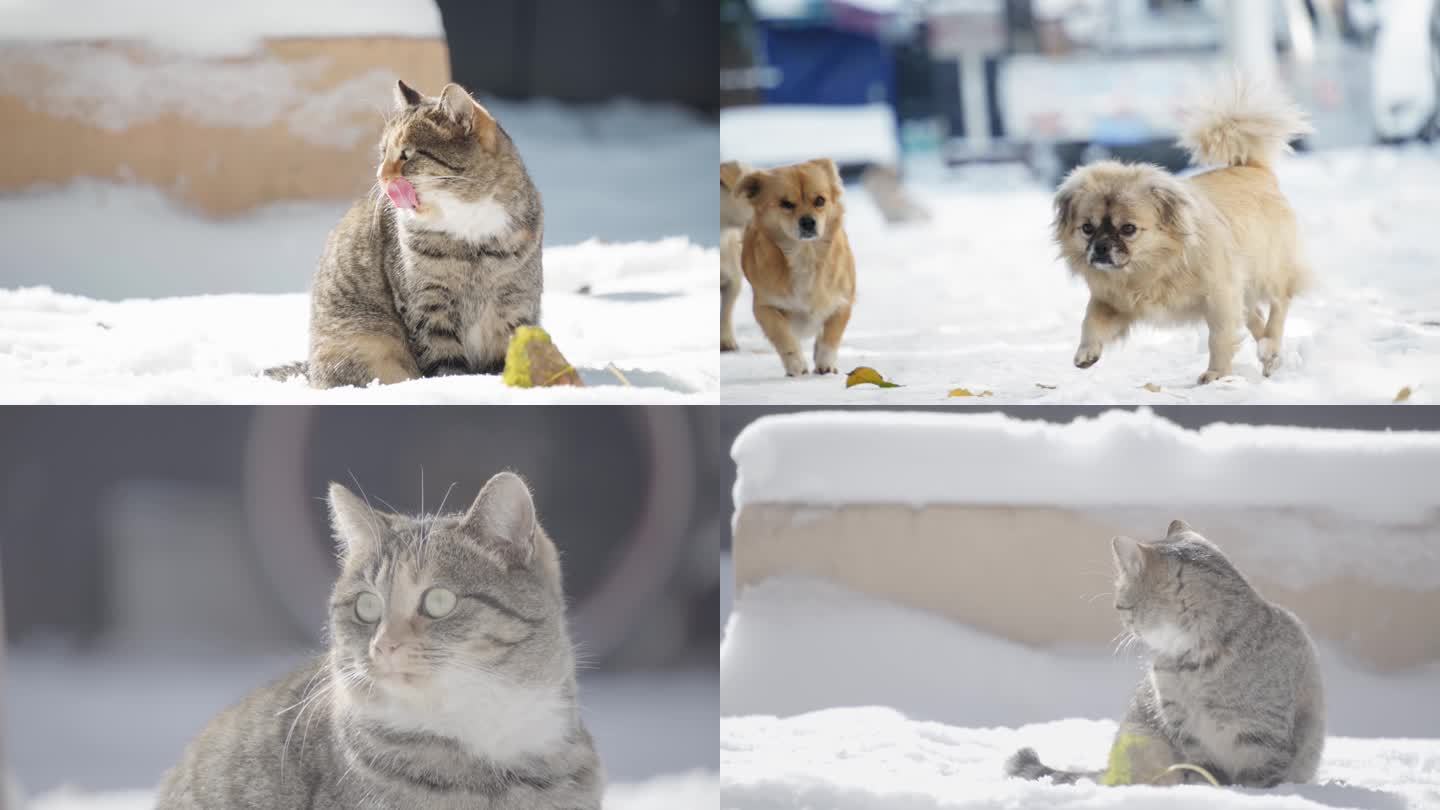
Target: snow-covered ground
638 306
832 699
682 791
978 299
97 730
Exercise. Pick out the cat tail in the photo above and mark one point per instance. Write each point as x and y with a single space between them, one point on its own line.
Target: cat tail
287 371
1027 765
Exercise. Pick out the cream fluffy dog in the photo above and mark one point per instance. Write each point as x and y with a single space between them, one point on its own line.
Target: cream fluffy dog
1219 247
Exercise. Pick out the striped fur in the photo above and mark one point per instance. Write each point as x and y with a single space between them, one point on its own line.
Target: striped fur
439 289
477 709
1233 684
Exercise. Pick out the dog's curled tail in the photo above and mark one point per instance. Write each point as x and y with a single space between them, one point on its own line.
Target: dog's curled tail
1242 123
1027 765
287 371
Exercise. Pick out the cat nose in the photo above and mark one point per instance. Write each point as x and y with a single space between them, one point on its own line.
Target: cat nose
387 645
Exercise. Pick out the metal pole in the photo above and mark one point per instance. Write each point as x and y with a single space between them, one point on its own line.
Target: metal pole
1250 37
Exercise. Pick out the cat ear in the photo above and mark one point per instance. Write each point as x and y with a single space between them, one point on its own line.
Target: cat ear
1129 555
1177 527
405 95
504 512
357 527
467 112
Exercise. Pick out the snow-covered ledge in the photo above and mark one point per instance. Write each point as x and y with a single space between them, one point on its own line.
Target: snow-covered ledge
1003 524
225 106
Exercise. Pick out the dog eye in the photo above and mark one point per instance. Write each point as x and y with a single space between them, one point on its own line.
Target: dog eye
1087 229
787 205
819 202
1127 230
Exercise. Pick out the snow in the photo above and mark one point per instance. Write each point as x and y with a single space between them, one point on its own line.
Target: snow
696 790
877 759
636 306
785 133
914 458
215 29
810 718
978 299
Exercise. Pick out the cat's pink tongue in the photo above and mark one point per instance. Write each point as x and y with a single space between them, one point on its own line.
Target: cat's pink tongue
401 193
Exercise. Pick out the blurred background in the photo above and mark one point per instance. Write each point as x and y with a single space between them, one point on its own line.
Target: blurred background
1054 83
161 562
210 147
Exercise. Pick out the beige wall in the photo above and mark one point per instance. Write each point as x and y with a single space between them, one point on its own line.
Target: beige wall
220 170
1043 576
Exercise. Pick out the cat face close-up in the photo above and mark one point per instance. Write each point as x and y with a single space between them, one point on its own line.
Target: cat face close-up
1162 587
426 601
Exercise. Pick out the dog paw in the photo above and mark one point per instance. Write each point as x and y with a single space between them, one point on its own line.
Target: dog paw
1087 356
825 360
728 345
1269 355
794 365
1211 375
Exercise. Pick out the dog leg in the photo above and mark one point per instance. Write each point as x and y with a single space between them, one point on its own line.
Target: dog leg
827 346
1255 322
1103 324
776 326
1268 346
729 291
1223 326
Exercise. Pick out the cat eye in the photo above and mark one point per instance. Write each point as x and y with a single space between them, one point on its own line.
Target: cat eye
1087 229
1127 230
787 205
437 602
819 202
368 608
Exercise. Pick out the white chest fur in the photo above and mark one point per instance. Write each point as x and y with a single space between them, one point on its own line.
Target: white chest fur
474 221
495 720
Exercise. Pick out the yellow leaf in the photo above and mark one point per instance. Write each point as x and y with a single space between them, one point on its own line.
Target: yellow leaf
966 392
1404 395
1151 387
533 361
865 375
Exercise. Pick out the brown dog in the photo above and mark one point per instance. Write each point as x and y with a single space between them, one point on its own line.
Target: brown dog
1220 247
798 260
734 215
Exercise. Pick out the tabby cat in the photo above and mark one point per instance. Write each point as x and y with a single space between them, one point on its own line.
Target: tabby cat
449 682
432 274
1233 686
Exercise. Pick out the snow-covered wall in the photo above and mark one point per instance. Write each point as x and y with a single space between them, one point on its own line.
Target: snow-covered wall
1004 525
213 28
1118 459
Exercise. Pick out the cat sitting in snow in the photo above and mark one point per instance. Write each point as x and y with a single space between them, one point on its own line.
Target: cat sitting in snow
432 275
1233 688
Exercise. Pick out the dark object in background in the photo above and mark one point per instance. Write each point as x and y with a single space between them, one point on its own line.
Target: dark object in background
586 51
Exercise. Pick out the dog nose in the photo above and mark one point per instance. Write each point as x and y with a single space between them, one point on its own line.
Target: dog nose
1102 249
807 223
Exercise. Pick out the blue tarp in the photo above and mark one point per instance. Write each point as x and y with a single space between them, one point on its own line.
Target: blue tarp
819 64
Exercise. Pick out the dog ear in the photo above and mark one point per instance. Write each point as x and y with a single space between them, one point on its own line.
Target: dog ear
832 172
730 173
1065 207
752 184
1175 209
